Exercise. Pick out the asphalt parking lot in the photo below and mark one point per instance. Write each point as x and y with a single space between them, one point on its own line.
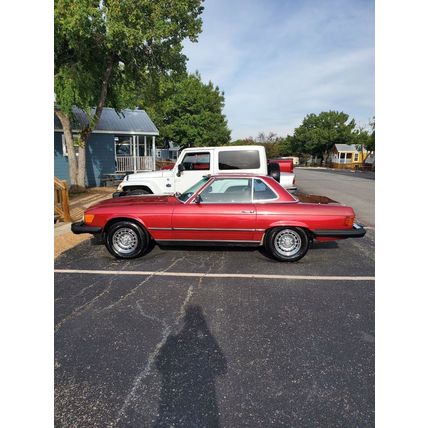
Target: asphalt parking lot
226 337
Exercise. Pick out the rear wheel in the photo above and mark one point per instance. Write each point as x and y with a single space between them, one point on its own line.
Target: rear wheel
287 244
126 240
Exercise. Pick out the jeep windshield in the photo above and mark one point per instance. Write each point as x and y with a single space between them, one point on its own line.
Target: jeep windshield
185 196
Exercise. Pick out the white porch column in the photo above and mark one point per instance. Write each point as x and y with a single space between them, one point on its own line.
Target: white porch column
154 152
145 146
134 138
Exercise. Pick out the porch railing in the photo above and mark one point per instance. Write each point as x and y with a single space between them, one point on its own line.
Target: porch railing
126 163
61 202
343 160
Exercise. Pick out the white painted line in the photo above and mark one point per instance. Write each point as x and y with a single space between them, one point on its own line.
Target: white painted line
216 275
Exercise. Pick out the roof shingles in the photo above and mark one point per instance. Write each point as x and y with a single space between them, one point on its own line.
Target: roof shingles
127 121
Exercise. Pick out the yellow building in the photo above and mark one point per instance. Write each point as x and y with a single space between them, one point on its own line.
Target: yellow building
346 156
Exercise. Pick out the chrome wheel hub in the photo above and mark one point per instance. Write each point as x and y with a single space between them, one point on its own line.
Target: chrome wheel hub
125 240
288 242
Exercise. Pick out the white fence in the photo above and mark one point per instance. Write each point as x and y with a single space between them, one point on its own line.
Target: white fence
126 163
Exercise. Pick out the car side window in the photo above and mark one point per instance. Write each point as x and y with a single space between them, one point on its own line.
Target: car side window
227 190
238 159
262 191
196 161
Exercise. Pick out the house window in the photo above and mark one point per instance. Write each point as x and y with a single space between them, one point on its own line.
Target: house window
76 145
355 157
123 145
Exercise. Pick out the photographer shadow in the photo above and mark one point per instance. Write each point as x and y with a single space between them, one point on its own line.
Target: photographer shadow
189 363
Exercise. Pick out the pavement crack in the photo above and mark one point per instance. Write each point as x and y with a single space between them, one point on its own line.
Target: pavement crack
166 331
82 308
135 289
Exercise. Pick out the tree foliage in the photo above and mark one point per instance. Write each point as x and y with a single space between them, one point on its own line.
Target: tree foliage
187 111
274 145
105 51
318 134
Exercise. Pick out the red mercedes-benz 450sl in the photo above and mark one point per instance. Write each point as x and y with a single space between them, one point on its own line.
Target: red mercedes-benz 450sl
222 209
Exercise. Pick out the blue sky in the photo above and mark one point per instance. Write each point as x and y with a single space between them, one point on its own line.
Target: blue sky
277 61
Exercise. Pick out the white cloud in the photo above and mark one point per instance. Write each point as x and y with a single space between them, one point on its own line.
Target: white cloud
278 61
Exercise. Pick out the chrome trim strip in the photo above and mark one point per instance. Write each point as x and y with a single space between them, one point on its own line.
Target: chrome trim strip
209 240
159 228
207 229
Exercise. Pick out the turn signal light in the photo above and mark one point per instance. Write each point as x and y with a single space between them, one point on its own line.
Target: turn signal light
349 221
88 218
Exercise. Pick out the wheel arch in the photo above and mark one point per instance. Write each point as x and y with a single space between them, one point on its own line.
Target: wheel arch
282 224
139 187
132 219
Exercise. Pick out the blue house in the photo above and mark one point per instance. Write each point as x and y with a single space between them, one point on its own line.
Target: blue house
122 142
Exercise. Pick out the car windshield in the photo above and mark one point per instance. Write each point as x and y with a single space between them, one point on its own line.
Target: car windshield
184 197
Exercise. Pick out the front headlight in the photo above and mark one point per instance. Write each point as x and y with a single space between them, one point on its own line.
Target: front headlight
120 187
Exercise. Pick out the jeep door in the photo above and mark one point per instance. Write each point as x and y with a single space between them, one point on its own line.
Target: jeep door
196 164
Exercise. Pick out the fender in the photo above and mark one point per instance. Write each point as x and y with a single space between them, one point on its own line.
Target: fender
283 223
151 184
127 217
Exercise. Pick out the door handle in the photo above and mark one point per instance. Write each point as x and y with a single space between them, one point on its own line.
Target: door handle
247 211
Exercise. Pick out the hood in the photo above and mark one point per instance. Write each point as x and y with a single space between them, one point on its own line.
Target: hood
138 176
134 200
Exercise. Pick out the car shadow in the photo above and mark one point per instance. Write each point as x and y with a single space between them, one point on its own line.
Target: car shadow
189 363
323 245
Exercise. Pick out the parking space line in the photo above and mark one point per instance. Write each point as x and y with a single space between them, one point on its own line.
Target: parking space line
216 275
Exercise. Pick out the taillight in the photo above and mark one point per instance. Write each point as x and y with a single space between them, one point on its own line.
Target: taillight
349 221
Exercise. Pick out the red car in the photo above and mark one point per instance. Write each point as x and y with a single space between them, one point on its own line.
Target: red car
237 209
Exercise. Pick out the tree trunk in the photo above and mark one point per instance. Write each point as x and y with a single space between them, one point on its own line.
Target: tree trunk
72 158
324 157
92 123
81 171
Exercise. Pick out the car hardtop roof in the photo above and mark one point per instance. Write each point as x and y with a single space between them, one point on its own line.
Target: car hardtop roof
238 175
225 147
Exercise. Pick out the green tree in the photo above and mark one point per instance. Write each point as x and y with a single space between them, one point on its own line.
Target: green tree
270 141
286 146
319 133
105 51
188 111
371 143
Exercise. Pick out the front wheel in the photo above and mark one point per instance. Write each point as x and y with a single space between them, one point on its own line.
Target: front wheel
126 240
287 244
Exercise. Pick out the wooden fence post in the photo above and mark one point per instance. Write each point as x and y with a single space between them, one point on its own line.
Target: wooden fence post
61 202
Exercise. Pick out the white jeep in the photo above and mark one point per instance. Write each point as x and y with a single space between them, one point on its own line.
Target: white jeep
194 163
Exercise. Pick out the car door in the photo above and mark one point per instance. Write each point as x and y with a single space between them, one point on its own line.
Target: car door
196 165
225 213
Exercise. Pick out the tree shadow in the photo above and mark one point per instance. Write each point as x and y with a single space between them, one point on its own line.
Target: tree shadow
188 362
